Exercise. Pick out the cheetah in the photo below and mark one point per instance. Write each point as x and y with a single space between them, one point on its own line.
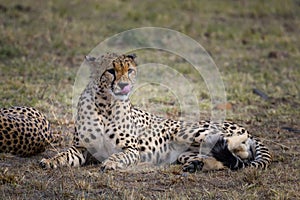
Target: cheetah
109 128
24 131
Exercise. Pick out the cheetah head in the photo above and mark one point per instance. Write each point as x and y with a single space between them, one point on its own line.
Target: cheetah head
116 74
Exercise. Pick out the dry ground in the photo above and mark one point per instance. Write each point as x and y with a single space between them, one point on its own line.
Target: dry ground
255 45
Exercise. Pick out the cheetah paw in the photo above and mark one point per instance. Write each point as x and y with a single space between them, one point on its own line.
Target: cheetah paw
193 166
47 164
111 165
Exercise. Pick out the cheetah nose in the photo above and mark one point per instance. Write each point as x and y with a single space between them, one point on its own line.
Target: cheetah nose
125 88
122 85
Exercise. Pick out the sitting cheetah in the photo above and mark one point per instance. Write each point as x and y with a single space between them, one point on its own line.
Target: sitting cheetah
119 135
24 131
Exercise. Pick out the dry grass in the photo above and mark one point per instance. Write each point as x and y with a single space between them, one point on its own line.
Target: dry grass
254 43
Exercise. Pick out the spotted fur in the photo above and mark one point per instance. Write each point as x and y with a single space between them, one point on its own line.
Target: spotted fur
119 135
24 131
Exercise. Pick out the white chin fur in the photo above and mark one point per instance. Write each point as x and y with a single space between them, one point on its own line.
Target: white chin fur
121 97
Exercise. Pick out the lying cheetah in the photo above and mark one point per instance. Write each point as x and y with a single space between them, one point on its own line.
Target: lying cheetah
119 135
24 131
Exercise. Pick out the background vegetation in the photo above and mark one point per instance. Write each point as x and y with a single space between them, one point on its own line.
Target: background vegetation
255 45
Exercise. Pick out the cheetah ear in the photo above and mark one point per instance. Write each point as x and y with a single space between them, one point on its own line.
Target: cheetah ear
92 64
132 56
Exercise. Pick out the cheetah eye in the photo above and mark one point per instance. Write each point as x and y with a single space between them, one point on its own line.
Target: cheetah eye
130 71
111 71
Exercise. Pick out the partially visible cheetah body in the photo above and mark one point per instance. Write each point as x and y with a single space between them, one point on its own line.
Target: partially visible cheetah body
119 135
24 131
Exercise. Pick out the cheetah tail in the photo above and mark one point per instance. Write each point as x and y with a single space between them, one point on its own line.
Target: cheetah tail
262 156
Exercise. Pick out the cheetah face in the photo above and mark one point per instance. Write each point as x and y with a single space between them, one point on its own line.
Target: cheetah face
121 76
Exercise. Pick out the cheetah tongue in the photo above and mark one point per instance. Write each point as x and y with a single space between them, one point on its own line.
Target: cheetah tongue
126 89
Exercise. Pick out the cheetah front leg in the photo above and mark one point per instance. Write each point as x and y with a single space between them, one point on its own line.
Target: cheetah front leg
122 160
74 156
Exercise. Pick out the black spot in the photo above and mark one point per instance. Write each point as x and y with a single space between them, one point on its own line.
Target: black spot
11 126
160 140
197 134
6 135
15 134
165 147
161 149
111 136
205 125
143 148
191 131
101 105
93 136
